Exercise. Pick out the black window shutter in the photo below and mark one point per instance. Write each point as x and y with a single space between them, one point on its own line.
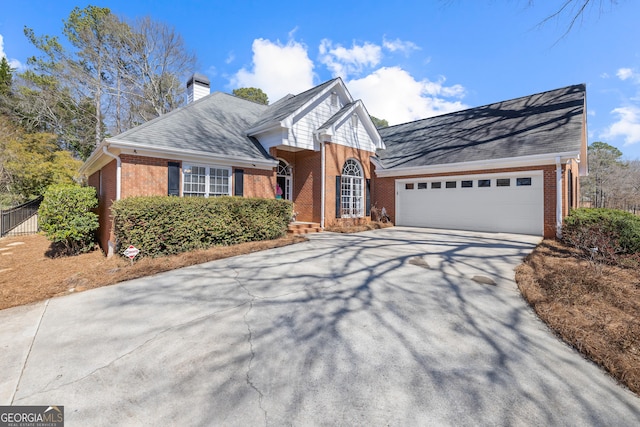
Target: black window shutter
338 197
173 183
368 198
238 182
570 190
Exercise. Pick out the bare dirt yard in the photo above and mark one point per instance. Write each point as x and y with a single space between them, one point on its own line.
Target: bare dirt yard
594 308
30 272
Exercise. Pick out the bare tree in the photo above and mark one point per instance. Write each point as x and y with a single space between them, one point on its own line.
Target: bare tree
575 10
159 65
131 72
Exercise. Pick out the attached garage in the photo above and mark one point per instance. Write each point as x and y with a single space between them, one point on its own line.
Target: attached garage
509 203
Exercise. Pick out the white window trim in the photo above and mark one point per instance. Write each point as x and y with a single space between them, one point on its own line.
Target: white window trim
352 182
207 181
288 179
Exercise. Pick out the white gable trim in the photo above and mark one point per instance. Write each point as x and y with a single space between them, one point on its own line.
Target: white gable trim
288 121
364 118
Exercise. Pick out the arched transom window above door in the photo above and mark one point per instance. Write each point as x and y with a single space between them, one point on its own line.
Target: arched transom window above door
283 179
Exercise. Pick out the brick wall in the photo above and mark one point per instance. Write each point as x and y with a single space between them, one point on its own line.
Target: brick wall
306 182
104 181
550 194
148 176
335 157
144 176
259 183
384 192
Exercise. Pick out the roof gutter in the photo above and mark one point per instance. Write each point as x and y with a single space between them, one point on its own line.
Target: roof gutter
509 162
193 156
118 170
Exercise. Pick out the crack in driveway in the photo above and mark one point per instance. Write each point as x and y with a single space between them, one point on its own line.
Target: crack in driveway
156 336
250 383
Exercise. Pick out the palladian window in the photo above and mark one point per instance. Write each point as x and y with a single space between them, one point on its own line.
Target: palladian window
352 189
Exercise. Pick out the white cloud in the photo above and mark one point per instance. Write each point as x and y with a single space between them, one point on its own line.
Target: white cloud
627 126
398 45
624 73
343 62
278 69
230 58
13 63
390 93
393 94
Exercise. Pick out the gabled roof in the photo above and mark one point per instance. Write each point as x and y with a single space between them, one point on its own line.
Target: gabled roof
213 124
337 116
286 106
347 110
544 123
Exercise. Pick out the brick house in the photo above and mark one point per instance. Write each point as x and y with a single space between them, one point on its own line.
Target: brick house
511 166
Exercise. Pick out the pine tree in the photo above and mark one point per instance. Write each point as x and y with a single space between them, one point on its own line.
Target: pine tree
6 75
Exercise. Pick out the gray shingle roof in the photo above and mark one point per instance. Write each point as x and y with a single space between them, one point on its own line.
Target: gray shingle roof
214 124
544 123
287 105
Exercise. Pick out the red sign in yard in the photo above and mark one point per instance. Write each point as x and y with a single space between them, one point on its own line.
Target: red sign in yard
131 252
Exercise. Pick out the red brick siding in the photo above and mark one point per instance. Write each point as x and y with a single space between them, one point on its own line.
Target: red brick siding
144 176
106 191
550 194
335 157
259 183
307 184
305 181
384 193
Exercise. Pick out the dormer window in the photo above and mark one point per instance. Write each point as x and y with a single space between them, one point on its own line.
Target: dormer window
354 120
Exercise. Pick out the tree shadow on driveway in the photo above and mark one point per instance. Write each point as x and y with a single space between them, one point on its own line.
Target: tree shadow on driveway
342 329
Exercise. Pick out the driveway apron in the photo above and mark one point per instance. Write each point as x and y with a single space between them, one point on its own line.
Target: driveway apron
398 326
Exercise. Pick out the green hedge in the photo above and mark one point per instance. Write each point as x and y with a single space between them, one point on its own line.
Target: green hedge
615 233
169 225
65 217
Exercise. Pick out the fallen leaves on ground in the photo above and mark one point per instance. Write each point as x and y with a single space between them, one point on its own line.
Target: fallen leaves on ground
29 274
595 308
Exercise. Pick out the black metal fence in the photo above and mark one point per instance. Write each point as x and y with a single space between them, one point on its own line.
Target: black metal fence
20 219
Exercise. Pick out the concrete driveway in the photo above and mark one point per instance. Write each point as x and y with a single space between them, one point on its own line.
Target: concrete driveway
380 328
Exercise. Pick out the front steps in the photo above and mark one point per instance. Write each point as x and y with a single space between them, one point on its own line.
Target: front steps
304 227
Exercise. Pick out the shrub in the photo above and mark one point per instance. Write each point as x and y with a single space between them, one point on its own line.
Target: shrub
606 235
66 218
162 225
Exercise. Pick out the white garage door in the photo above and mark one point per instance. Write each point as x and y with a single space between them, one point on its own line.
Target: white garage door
510 203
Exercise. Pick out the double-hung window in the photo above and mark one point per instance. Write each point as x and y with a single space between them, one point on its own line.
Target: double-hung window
206 181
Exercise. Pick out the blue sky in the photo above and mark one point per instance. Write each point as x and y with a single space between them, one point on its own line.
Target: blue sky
406 60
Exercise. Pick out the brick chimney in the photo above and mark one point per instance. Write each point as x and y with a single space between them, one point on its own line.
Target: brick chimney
198 86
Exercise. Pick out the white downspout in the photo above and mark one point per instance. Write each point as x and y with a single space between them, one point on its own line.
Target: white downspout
118 169
558 198
322 183
112 245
